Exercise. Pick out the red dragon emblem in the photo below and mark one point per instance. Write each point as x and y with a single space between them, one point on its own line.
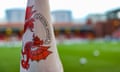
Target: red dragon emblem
34 50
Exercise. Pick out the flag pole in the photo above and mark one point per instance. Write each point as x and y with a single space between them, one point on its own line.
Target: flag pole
39 51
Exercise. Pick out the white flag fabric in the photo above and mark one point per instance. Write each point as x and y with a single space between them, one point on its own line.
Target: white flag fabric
39 51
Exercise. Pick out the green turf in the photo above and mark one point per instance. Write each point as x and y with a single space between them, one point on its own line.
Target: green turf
108 61
9 59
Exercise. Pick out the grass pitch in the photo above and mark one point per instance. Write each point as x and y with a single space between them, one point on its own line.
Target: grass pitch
70 54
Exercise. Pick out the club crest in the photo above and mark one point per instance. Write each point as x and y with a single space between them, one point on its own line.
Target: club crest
37 48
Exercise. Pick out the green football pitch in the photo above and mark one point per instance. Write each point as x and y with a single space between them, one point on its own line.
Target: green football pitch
107 60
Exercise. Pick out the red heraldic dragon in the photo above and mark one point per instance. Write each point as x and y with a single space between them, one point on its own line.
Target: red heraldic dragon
36 49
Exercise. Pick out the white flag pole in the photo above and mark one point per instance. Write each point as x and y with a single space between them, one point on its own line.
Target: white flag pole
39 51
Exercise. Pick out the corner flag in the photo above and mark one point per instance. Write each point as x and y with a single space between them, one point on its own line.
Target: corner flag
39 51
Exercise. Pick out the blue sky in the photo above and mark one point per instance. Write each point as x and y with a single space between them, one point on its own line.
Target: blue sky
79 8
